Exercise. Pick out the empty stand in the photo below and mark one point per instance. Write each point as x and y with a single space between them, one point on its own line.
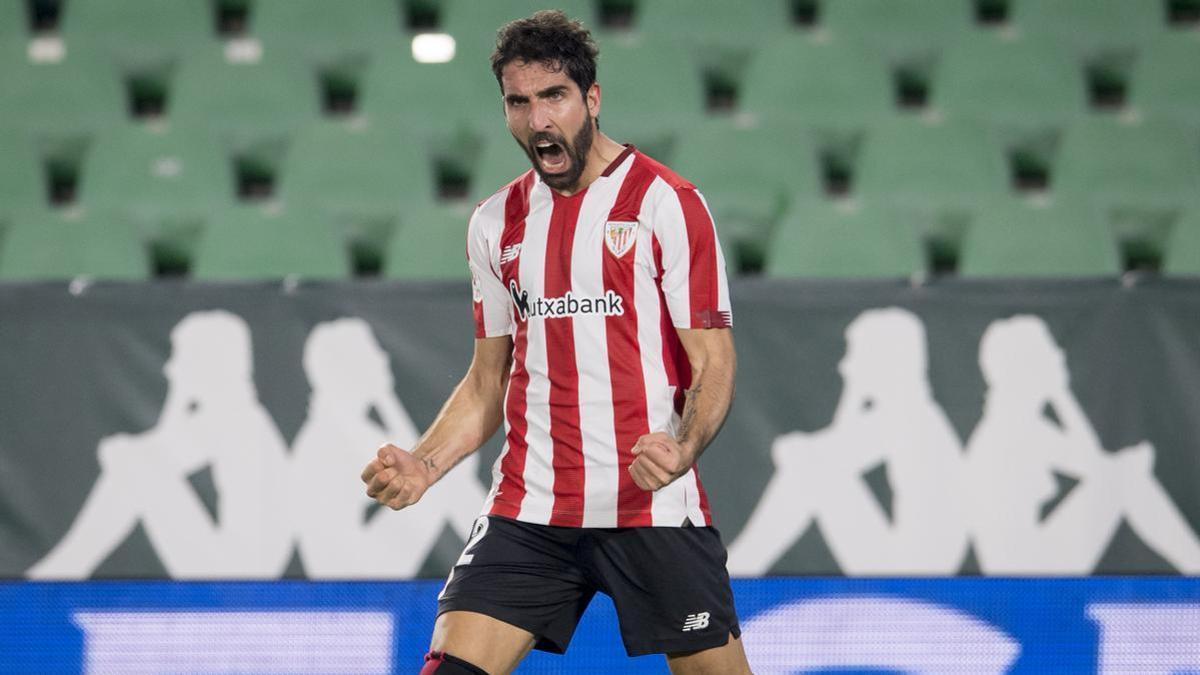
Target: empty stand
651 87
22 175
1166 79
429 244
896 27
1182 256
1011 238
75 97
51 245
1148 165
320 29
240 100
138 30
827 86
748 178
819 239
251 243
470 21
371 172
1091 26
930 167
1024 83
714 21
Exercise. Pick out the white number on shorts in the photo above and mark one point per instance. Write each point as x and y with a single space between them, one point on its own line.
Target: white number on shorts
479 529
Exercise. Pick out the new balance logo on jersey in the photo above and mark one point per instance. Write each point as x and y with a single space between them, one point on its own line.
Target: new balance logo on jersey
610 304
510 253
695 622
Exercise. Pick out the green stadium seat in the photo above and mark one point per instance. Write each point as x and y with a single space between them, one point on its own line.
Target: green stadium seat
50 245
1012 238
14 21
1182 253
370 174
896 27
717 22
819 239
76 97
648 88
1021 83
931 168
748 176
245 100
470 20
1154 165
834 86
138 30
1091 26
250 243
1166 80
500 162
431 243
320 28
22 175
167 183
459 98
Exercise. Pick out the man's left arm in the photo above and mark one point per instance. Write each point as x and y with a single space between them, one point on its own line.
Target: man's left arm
659 458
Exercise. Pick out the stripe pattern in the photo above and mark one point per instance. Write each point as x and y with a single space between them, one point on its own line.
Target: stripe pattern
597 361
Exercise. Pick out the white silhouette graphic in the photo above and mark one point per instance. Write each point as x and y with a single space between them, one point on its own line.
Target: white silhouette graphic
350 376
896 634
211 419
1032 428
1149 639
886 414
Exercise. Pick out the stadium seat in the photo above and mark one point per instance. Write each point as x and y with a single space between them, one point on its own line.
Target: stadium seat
250 243
1182 256
1021 83
431 243
749 175
930 167
819 239
167 184
1151 165
76 97
14 21
245 100
1091 26
22 175
500 162
319 28
1166 80
369 173
652 87
713 21
138 30
470 20
1011 238
833 86
459 98
49 245
896 27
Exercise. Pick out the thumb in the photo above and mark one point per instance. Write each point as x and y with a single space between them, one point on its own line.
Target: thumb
386 456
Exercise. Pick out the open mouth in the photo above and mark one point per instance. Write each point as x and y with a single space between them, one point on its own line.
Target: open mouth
552 156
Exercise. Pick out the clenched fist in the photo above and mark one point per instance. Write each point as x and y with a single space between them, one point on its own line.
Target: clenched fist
395 478
658 460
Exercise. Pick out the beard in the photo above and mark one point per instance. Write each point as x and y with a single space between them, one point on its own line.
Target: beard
576 151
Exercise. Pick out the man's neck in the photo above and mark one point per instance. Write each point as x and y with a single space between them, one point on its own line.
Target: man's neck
604 151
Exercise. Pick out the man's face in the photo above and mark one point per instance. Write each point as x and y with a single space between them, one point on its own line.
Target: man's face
550 119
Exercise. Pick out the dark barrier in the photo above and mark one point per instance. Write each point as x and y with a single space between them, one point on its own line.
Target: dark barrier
217 431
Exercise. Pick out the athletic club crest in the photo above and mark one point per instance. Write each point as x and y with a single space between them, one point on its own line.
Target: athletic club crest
619 237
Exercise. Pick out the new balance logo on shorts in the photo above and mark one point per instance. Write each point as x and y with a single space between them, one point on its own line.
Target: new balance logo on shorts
695 622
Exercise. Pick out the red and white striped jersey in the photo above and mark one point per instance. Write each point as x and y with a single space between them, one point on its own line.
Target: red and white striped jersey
592 287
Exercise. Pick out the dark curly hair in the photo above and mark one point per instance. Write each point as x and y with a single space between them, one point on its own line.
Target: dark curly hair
548 37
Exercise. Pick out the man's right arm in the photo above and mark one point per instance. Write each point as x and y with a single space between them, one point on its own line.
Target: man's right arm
397 478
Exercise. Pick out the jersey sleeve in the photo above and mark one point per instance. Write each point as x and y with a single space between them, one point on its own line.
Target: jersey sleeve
691 265
490 299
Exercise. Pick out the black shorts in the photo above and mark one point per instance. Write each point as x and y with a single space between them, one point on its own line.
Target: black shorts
669 584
